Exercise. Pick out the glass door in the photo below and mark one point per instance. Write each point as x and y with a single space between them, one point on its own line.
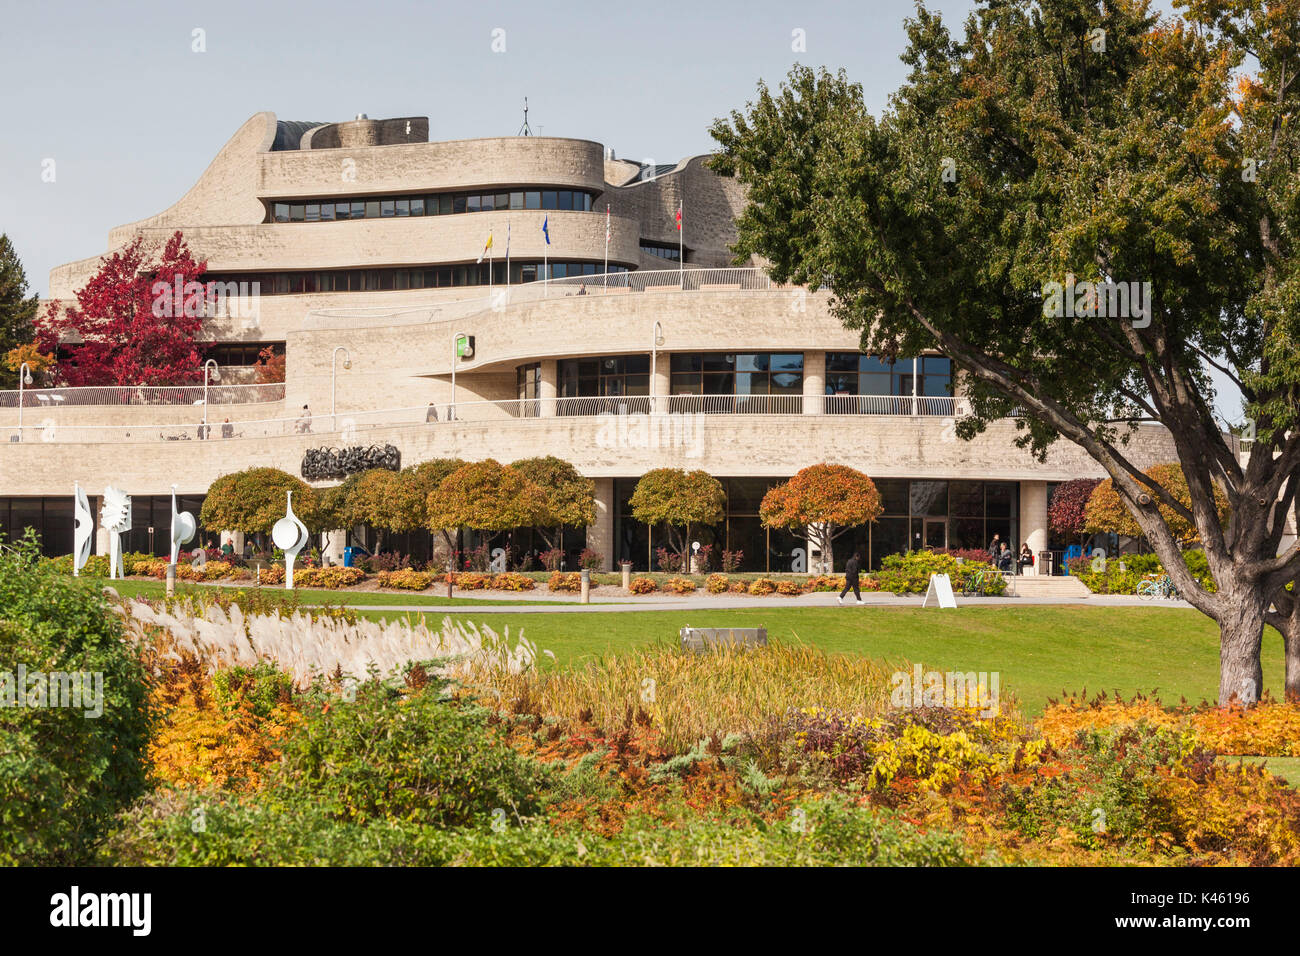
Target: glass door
936 533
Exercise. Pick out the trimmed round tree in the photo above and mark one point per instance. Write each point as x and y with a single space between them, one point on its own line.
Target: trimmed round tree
570 497
1066 510
1106 512
385 500
486 496
826 500
253 500
678 499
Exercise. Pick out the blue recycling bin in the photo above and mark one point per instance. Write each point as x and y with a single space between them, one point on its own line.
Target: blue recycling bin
347 557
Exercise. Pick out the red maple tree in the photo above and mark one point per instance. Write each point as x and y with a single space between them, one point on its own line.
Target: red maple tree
1065 512
136 320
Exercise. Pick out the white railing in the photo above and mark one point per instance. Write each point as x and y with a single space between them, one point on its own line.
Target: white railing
497 298
351 427
113 395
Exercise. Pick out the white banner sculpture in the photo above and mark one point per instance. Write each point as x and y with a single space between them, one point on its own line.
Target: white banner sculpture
115 515
290 536
183 528
84 531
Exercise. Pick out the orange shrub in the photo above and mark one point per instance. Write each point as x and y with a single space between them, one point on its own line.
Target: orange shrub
330 578
738 587
1268 729
642 586
716 584
762 586
511 581
405 579
471 580
570 581
788 588
680 585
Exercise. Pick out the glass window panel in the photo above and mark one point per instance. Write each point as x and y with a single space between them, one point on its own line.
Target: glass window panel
446 204
296 212
787 383
313 212
686 385
417 206
999 498
358 209
841 384
929 497
548 199
327 211
528 273
517 200
870 363
873 384
564 199
589 269
458 203
502 201
718 361
893 495
637 384
473 203
719 383
387 208
372 209
282 212
966 498
841 361
402 207
787 362
751 383
309 282
687 362
295 283
752 362
532 199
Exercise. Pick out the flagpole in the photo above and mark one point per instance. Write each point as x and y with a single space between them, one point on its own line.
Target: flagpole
606 245
507 255
681 254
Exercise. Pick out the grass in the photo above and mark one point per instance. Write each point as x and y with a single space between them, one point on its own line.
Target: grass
155 589
1038 651
1288 768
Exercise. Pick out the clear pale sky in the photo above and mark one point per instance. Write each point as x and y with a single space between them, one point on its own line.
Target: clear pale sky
131 115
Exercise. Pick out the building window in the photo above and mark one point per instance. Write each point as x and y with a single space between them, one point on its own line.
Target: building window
621 382
528 380
661 250
738 373
852 373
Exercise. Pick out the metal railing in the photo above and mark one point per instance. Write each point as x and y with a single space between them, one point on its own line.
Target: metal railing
895 405
500 297
349 427
113 395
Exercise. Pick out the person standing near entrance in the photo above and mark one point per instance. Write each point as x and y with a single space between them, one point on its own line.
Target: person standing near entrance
995 549
851 569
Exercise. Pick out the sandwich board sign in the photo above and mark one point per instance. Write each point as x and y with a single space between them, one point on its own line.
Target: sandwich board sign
941 589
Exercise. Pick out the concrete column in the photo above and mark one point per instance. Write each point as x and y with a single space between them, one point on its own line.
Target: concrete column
331 546
600 535
814 382
661 381
548 387
1033 518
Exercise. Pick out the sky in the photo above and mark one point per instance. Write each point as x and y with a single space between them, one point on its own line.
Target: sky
130 113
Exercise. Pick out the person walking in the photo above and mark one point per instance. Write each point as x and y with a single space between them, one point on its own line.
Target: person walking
995 548
851 569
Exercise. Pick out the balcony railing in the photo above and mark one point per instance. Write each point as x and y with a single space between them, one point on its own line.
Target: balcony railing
351 427
143 395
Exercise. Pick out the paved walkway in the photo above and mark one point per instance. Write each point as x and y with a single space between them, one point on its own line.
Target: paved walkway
518 603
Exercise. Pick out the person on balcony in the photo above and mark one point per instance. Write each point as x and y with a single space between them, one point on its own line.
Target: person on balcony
227 429
851 569
432 414
303 425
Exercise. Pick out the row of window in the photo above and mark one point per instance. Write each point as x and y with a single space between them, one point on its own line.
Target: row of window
661 250
425 277
753 373
437 204
230 354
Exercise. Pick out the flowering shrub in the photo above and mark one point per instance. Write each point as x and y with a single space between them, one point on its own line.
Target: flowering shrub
511 581
669 562
910 573
788 588
731 561
472 580
978 555
1112 579
406 579
825 582
551 560
642 586
330 578
386 561
762 586
716 584
272 574
591 559
680 585
570 581
738 587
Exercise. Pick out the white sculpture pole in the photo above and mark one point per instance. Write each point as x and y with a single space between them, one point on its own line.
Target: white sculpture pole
290 536
116 516
183 529
84 531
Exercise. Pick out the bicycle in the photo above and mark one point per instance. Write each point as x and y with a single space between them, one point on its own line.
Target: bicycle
1162 587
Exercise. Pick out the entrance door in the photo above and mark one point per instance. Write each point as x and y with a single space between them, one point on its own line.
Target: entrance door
936 533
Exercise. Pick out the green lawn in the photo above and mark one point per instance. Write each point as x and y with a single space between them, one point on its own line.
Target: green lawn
1038 650
1288 768
155 589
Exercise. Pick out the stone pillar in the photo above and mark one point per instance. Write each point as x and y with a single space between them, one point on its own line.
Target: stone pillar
331 546
814 382
600 535
548 387
1033 518
661 381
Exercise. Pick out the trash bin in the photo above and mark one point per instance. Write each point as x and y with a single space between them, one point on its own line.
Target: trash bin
347 557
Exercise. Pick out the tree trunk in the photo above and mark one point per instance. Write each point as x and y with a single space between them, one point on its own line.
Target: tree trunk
1291 641
1241 629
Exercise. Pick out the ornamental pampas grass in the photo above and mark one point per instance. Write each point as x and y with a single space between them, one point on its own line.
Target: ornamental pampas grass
309 646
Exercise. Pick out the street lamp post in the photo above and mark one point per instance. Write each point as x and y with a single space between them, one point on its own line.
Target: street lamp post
24 378
347 364
656 340
210 364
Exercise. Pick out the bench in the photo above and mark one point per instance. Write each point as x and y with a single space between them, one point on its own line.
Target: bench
699 639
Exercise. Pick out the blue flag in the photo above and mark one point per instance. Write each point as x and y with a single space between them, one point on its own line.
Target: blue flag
545 231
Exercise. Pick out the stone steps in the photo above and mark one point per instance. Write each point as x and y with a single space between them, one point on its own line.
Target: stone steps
1042 587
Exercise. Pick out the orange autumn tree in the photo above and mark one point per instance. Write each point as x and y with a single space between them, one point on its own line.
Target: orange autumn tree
486 496
1105 512
825 499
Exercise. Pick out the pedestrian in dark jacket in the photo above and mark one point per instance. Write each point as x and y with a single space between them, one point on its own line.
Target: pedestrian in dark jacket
851 569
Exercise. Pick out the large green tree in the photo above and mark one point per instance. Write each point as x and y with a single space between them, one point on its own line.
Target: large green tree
254 499
17 309
388 501
678 499
824 501
1064 141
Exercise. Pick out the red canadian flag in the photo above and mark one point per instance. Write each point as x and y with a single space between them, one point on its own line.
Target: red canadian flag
679 217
